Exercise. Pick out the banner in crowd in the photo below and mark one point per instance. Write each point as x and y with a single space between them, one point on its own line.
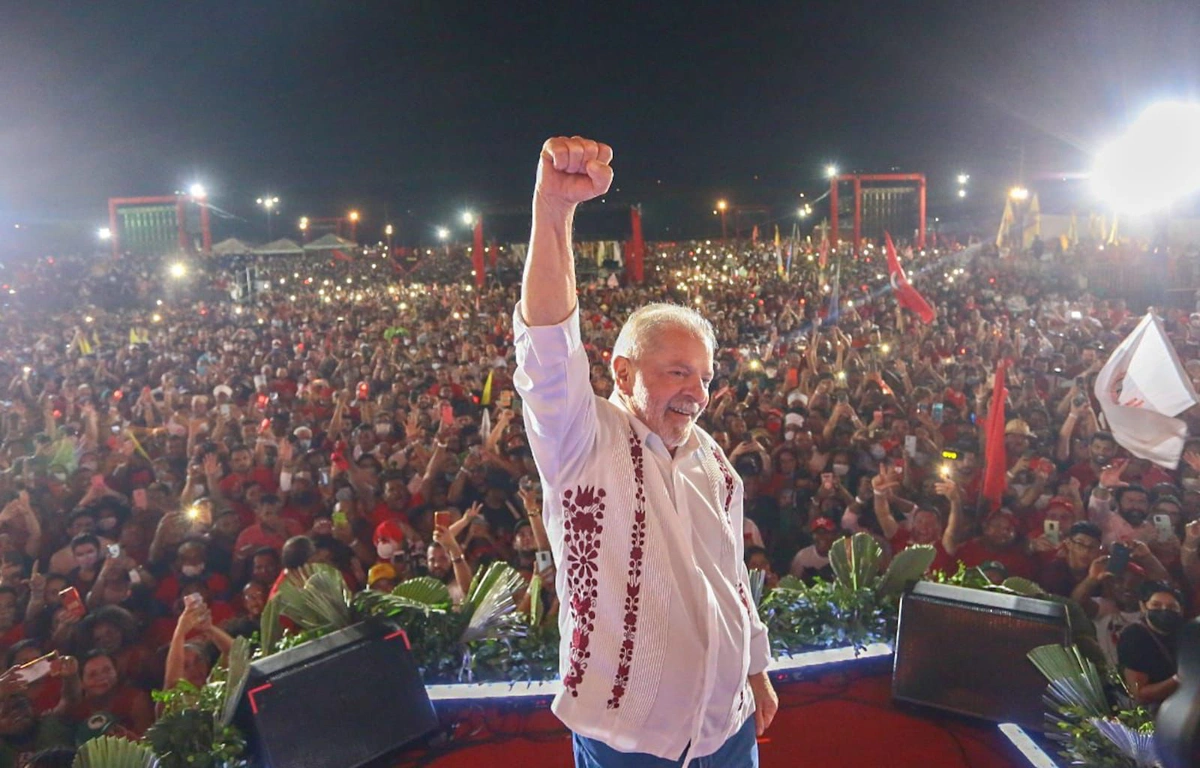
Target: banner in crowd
1141 389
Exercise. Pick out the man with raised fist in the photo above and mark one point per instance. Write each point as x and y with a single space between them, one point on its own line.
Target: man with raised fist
663 655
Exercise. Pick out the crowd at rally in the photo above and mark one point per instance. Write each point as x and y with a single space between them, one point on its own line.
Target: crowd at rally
165 461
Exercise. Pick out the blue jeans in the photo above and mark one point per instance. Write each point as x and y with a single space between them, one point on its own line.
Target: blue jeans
740 751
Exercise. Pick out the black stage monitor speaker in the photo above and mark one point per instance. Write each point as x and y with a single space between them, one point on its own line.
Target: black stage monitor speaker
1177 727
963 650
340 701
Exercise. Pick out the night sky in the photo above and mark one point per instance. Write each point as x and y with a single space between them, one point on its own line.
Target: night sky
425 109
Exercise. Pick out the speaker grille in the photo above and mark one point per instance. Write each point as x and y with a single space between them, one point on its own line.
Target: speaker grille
971 659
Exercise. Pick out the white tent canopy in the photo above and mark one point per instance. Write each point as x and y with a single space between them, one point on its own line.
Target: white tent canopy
329 242
231 247
283 246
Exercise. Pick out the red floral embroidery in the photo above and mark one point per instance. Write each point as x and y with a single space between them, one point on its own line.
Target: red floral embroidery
583 513
729 483
633 587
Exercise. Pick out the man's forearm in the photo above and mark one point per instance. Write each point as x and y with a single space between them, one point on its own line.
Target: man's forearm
548 287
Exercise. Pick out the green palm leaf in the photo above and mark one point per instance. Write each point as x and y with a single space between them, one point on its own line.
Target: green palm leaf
758 578
1073 679
791 583
322 604
490 599
270 628
855 560
235 679
906 569
114 752
1024 587
535 600
423 595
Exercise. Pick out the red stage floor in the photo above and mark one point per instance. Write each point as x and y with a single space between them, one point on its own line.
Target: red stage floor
836 720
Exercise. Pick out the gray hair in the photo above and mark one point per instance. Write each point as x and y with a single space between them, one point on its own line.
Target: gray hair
645 323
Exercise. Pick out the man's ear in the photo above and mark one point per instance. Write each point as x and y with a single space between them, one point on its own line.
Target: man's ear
622 369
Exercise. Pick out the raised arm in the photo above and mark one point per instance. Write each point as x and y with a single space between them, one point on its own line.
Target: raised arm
570 172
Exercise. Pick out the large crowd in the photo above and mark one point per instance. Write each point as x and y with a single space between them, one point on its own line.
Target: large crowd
169 454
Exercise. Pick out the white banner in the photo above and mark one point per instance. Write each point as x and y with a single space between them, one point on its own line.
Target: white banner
1141 389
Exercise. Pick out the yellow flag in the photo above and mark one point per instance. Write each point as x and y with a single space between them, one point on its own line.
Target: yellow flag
487 389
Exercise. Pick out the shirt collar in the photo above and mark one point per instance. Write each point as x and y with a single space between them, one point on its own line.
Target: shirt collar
646 437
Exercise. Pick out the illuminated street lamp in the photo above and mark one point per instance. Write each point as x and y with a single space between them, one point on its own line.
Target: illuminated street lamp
962 193
104 233
269 204
354 217
468 218
963 178
831 170
1019 193
388 230
722 206
197 191
178 270
443 234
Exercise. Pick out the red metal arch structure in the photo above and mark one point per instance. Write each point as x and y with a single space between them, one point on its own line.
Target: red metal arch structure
858 179
179 202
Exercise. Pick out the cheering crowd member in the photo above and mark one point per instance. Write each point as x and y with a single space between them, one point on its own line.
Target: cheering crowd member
663 658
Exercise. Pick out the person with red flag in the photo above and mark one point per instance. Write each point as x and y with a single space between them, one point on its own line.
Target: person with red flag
995 456
906 295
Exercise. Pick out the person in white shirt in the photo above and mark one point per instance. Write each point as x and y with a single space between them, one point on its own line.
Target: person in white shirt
663 656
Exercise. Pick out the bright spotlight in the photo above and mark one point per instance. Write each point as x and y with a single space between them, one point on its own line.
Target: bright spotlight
1019 193
1156 162
198 191
831 171
468 218
442 233
962 193
353 215
104 233
963 178
722 205
303 223
178 270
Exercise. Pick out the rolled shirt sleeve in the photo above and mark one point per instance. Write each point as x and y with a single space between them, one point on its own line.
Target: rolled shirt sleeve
553 379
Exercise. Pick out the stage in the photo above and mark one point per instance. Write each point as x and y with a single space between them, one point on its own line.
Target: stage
837 715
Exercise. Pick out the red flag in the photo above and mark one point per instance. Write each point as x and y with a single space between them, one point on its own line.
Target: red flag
477 254
823 252
635 248
341 255
995 478
906 295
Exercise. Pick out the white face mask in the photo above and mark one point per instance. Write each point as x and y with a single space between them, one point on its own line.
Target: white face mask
841 470
385 550
878 452
191 571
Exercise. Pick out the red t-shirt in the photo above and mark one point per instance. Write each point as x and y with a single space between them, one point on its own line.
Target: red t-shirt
975 552
256 537
942 561
235 480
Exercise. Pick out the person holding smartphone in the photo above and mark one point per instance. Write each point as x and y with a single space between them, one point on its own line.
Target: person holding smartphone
643 510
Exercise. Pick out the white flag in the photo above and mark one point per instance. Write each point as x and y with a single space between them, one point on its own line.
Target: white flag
1141 389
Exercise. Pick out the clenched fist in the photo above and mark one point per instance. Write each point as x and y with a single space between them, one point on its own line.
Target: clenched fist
573 170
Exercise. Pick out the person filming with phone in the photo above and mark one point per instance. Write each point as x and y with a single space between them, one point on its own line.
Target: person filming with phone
663 658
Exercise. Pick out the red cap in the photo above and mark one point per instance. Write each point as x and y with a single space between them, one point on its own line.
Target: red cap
824 524
389 530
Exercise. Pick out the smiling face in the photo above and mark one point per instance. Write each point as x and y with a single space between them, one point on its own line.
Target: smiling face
99 676
667 386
